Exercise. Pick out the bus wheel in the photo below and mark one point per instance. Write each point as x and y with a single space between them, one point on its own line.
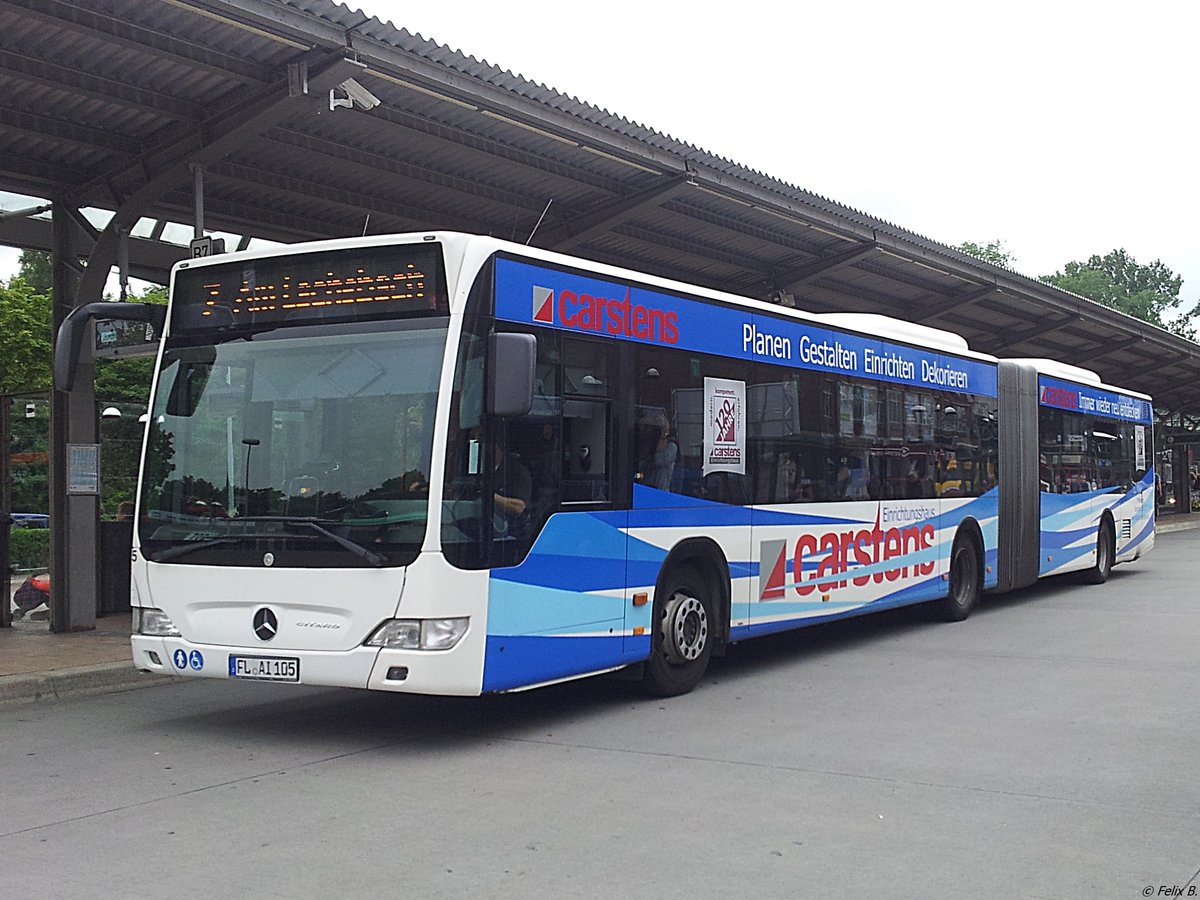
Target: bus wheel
682 638
1106 552
966 579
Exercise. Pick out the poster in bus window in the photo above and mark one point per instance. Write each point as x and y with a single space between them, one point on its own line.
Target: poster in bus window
1139 447
724 426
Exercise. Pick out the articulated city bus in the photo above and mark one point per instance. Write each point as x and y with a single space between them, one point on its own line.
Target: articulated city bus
447 464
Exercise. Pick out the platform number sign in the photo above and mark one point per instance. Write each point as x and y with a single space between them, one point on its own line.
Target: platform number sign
206 246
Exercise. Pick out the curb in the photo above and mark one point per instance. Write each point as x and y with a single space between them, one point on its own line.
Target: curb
1162 527
77 681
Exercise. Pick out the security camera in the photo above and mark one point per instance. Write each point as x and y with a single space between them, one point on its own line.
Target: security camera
356 95
360 94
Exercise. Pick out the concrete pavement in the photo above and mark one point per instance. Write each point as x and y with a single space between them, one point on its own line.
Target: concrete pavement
36 664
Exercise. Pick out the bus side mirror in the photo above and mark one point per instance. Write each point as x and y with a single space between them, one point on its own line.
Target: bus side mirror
512 359
76 326
190 382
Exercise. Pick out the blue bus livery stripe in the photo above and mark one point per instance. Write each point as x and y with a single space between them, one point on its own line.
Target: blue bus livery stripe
525 609
515 661
533 295
1094 401
552 617
1067 533
662 508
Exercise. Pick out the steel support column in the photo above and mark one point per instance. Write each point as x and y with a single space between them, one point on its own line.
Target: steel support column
74 518
5 506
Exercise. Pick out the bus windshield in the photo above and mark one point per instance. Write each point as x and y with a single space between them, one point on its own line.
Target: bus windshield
307 446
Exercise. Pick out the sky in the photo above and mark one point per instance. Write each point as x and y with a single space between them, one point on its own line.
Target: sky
1061 129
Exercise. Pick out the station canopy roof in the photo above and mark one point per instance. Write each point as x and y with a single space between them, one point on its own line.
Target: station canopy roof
108 104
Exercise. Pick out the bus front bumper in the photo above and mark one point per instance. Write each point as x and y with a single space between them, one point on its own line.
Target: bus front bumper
402 671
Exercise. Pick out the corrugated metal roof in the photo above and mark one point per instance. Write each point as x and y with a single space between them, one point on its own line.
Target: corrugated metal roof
104 101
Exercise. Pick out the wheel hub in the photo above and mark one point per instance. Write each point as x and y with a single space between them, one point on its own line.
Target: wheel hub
685 628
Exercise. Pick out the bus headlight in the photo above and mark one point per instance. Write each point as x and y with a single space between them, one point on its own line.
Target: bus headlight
442 634
419 634
153 622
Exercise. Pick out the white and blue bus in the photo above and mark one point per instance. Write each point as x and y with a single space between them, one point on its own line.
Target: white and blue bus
447 464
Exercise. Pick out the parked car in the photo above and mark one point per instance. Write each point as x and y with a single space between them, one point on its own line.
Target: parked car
33 592
29 520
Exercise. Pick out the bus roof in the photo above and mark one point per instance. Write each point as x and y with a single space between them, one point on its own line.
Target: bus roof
466 249
1056 369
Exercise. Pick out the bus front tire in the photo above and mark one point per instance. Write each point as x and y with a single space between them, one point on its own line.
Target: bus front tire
966 579
1106 552
682 637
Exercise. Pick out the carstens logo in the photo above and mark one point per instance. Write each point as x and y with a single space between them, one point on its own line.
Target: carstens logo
543 304
725 417
604 315
837 553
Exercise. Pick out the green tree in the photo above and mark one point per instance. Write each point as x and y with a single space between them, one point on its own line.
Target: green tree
35 270
25 322
123 382
29 456
993 252
1117 280
25 365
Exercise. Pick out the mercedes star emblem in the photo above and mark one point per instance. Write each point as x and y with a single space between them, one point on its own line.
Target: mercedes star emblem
265 624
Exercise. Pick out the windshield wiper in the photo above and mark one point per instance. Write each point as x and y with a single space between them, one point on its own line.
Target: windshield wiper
184 549
375 559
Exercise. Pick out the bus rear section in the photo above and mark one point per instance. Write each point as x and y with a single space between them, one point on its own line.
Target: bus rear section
1078 491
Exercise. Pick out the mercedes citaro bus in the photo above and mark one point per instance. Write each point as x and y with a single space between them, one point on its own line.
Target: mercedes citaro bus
446 464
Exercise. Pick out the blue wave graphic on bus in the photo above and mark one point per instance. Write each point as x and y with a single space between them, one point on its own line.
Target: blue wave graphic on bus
1069 524
514 661
551 617
1146 532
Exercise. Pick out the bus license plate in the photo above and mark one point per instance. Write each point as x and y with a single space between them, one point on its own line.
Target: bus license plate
265 668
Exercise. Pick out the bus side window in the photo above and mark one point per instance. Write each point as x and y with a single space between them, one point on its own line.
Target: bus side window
655 448
786 414
585 380
668 429
585 451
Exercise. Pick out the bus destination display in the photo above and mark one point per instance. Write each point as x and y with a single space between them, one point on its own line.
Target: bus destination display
336 286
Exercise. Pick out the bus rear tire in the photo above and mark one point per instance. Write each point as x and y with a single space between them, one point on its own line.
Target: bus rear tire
966 579
682 638
1106 552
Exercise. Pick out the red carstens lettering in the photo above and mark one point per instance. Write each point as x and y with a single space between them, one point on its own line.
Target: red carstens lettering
624 318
